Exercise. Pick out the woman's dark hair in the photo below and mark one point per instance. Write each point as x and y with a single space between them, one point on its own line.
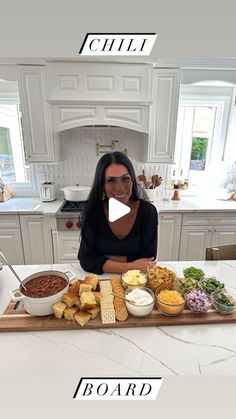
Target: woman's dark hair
96 195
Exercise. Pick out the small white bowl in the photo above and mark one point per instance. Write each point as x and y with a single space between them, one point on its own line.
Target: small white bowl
139 310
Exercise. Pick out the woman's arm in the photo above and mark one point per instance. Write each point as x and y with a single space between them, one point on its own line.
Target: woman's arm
147 254
149 226
90 259
120 267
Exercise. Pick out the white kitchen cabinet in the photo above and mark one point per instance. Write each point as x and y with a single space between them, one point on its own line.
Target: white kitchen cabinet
10 239
41 144
70 116
37 239
194 241
223 235
109 82
164 111
204 230
66 246
169 229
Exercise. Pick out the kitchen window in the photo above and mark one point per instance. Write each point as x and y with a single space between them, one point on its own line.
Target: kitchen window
200 139
13 169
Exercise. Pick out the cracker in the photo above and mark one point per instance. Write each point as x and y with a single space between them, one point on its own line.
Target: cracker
105 286
106 305
108 316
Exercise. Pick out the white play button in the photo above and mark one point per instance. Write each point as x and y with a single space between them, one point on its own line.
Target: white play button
116 209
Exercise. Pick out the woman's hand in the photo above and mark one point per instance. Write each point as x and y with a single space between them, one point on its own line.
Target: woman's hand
142 264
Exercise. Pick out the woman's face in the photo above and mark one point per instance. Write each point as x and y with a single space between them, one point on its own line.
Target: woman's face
118 183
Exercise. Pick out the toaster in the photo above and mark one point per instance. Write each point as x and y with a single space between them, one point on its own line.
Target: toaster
47 191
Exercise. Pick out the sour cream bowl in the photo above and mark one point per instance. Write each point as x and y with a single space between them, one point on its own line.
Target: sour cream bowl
44 289
142 301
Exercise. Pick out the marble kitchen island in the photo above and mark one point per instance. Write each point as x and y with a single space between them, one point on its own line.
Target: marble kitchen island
141 351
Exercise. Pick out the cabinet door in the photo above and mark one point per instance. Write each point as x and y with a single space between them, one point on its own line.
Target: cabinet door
194 241
99 81
37 241
223 235
40 142
164 112
169 236
11 245
66 246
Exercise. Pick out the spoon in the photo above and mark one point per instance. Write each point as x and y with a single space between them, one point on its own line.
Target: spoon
124 298
13 271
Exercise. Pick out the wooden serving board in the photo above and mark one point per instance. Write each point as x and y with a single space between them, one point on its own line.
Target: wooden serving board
18 321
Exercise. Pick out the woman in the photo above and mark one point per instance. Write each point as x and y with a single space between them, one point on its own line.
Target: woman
127 243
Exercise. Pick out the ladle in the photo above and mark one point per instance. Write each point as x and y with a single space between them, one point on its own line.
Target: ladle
11 268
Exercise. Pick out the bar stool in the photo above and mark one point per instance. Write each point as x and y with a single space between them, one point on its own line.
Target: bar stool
224 252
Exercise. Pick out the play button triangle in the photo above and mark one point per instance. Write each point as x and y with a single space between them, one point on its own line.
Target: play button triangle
116 209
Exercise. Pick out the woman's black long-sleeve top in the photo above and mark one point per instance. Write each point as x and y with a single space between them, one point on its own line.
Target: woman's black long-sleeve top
98 242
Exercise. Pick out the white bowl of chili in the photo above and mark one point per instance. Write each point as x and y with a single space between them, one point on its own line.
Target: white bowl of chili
43 289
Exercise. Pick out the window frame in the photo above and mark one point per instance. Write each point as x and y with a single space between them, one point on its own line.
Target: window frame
216 153
19 188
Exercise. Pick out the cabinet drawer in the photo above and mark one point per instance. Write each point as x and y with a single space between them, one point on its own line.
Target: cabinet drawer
11 245
9 221
207 218
68 246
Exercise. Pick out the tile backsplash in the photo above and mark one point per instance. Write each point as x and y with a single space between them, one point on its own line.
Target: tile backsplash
79 156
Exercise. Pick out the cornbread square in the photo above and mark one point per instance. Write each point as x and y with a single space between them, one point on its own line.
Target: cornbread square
74 286
87 300
58 309
91 280
78 303
69 298
97 296
94 311
82 317
69 313
84 288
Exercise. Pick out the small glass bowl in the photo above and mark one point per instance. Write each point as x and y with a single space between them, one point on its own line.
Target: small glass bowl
131 286
160 278
187 284
139 310
213 286
221 307
169 309
189 272
195 295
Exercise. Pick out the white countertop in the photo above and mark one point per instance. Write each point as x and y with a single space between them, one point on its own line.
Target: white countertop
152 351
30 206
185 204
196 204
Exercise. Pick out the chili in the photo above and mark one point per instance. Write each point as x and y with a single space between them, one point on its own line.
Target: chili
44 286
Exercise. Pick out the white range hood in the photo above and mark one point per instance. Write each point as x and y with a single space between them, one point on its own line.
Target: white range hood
88 94
126 116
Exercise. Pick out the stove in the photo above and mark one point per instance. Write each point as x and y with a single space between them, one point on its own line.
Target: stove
69 216
70 206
